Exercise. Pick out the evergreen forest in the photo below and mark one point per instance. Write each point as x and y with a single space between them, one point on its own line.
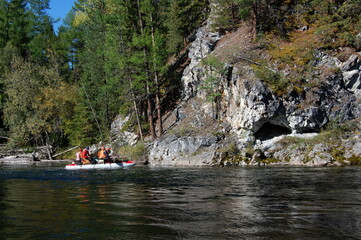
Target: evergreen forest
113 57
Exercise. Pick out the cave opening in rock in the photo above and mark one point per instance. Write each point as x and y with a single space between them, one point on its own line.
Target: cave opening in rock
269 131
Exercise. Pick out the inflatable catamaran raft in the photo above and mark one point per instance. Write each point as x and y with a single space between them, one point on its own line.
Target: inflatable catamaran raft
118 165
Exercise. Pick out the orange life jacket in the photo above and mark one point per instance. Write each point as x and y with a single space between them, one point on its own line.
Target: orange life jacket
101 154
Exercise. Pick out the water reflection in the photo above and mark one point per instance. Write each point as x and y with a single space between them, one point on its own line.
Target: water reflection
184 203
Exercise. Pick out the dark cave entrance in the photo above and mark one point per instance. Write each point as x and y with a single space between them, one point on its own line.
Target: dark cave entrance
269 131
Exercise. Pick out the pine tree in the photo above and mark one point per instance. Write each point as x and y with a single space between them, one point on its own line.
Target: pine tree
4 23
156 48
92 63
174 22
226 16
212 82
18 35
183 18
142 42
42 36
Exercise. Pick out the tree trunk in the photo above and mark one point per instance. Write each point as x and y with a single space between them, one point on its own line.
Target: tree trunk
149 102
137 116
159 113
131 91
157 99
135 106
150 119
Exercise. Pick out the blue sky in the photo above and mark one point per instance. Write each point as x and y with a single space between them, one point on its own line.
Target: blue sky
59 9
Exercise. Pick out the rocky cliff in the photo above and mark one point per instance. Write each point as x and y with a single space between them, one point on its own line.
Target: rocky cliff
249 123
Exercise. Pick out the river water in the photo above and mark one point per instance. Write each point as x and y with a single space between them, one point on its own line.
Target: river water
48 202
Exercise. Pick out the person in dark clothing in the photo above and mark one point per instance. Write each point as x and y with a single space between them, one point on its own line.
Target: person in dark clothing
107 154
85 156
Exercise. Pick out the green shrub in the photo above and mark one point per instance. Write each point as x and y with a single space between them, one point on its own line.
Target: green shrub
355 160
273 79
231 149
133 152
182 131
269 160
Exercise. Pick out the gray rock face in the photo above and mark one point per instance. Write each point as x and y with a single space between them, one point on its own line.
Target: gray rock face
201 47
351 72
352 81
184 151
251 105
311 119
352 148
122 137
327 61
255 114
353 63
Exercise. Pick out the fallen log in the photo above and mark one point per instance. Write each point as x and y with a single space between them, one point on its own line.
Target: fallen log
58 154
31 148
5 137
49 147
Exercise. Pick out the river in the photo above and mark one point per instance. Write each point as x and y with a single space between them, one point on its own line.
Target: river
48 202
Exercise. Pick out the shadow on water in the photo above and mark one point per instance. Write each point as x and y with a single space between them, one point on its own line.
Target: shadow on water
180 203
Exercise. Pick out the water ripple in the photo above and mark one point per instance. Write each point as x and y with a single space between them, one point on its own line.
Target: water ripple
180 203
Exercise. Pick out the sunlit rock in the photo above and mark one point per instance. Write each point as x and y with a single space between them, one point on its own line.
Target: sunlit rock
121 135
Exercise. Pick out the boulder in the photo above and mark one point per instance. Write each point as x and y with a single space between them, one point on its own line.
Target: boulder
352 80
122 136
353 63
307 120
184 151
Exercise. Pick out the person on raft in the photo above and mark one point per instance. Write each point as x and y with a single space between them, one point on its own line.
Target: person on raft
104 155
85 156
78 156
107 153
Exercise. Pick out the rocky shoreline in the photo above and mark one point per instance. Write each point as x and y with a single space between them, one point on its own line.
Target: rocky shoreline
256 126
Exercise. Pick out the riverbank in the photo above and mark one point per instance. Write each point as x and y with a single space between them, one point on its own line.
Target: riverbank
23 160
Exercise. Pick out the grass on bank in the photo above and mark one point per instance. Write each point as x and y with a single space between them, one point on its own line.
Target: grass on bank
134 153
